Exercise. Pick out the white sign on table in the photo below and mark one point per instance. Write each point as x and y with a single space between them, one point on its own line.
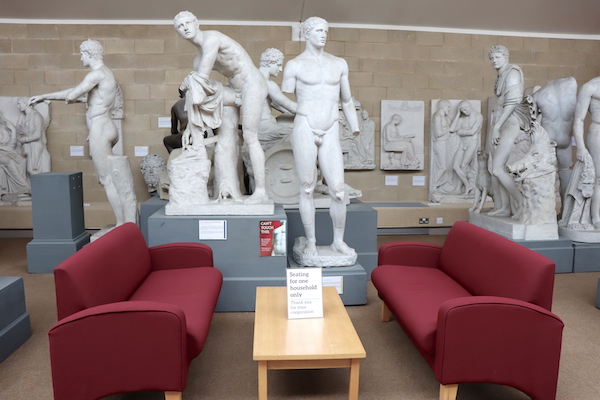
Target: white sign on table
304 293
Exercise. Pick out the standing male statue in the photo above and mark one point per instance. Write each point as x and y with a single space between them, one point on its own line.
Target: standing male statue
219 52
588 99
319 81
506 126
99 90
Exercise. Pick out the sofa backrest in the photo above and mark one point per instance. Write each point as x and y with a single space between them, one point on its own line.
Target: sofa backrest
487 264
107 270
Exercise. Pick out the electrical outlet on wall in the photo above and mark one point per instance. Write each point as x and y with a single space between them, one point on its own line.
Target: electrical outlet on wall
423 220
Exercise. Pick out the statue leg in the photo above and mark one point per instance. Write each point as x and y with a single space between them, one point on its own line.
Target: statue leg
226 156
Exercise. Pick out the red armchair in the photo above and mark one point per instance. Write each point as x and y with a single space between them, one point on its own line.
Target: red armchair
478 309
130 318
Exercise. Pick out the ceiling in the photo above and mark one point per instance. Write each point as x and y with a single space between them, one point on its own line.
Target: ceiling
554 18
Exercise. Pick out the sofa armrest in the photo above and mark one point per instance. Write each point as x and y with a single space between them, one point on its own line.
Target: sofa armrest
180 255
499 340
119 347
410 254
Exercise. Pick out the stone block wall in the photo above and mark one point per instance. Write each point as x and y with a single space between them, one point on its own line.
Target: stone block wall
150 61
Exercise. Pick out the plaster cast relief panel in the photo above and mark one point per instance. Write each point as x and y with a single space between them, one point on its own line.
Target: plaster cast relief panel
402 135
455 137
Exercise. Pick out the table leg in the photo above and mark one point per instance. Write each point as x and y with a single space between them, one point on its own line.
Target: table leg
262 380
354 378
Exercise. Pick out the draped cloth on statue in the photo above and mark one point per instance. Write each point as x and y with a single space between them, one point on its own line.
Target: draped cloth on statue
203 101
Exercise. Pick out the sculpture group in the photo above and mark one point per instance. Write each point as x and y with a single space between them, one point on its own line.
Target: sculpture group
322 131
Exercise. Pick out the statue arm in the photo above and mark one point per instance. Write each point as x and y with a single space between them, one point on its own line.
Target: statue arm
210 51
35 131
347 101
454 124
78 93
280 100
174 122
288 83
473 129
582 106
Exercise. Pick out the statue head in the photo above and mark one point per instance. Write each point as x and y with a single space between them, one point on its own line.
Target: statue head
465 107
151 166
310 23
444 105
22 103
270 56
499 49
92 48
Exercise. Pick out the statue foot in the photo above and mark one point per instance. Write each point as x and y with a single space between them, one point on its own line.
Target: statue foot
342 248
259 196
310 249
501 212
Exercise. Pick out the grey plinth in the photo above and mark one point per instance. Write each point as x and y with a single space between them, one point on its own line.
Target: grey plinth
15 325
587 257
147 208
561 251
360 234
237 257
58 220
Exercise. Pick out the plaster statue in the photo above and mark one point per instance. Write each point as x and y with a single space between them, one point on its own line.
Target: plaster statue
320 81
151 167
402 135
247 90
31 133
179 121
442 151
576 213
556 101
483 182
505 128
588 100
467 126
100 90
13 166
271 131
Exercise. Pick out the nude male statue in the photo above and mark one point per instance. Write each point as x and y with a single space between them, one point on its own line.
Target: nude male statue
467 125
179 121
506 126
320 80
220 53
440 132
270 131
588 100
99 90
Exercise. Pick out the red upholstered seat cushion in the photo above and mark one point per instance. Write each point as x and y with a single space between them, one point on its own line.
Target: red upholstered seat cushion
415 294
186 288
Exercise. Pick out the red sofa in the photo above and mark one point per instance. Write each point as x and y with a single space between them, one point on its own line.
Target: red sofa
130 318
478 309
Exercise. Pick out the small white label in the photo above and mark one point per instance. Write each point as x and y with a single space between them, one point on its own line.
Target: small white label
418 181
391 180
164 122
335 281
141 151
76 151
440 220
212 230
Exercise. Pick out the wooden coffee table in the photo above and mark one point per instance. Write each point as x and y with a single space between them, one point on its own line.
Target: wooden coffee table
314 343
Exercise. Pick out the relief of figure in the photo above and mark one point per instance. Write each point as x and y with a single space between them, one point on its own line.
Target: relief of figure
31 133
13 165
367 139
506 126
399 145
442 150
247 90
556 101
588 145
467 126
99 90
320 81
179 121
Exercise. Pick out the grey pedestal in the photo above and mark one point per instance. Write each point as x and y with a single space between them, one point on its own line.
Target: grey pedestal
560 251
58 220
147 208
237 257
360 234
15 326
587 257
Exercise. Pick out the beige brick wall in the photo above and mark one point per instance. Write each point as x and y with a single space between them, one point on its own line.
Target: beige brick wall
150 62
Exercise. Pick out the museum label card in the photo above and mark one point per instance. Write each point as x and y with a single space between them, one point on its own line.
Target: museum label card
212 230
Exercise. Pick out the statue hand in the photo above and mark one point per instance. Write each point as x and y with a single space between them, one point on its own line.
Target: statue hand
582 153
